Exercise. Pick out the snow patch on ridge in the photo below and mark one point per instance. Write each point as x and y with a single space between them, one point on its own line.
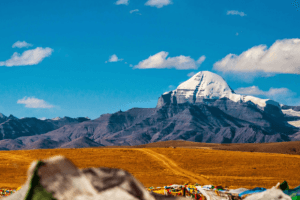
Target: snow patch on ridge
207 85
56 118
258 101
294 123
291 112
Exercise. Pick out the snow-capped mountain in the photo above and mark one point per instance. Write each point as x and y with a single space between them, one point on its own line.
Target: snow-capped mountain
292 113
205 86
201 109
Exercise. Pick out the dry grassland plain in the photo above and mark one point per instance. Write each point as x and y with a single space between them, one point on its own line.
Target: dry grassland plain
227 168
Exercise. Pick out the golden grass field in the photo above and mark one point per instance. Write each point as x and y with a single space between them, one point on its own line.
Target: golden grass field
163 166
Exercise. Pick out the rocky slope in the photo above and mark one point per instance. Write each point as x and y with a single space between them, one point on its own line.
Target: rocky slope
202 109
11 127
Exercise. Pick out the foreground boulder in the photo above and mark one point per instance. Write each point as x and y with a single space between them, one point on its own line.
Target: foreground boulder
59 179
270 194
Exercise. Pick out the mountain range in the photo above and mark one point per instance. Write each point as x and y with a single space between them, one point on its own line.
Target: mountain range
201 109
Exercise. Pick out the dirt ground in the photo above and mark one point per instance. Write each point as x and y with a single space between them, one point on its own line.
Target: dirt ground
238 169
163 166
274 147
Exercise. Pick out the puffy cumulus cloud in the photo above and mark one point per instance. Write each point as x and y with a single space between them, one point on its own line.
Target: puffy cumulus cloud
282 95
124 2
235 12
191 74
29 57
158 3
160 61
254 90
31 102
113 58
281 57
20 44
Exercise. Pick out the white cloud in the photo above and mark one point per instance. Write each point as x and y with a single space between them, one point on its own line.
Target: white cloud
124 2
201 60
135 10
235 12
113 58
31 102
20 44
43 118
160 61
281 57
29 57
191 74
281 95
254 90
158 3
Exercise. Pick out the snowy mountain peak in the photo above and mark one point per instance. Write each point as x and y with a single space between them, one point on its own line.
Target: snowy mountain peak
207 85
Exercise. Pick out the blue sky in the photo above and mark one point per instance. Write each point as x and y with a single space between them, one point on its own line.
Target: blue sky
89 57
